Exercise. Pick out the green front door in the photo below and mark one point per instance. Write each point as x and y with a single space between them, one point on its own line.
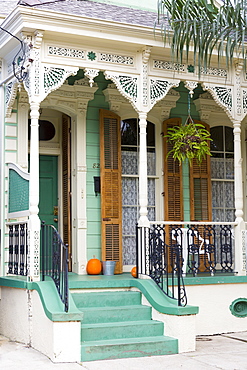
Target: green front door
48 190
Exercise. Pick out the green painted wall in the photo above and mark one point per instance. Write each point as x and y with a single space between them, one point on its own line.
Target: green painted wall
93 157
18 192
182 110
93 164
150 5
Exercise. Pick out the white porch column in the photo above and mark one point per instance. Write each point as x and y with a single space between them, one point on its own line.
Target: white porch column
34 221
143 181
238 189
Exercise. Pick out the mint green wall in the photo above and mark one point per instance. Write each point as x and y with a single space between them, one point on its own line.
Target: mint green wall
18 192
93 164
139 4
93 161
181 110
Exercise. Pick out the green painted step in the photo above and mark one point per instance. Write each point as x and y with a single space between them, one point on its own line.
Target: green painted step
133 347
115 314
106 299
118 330
116 325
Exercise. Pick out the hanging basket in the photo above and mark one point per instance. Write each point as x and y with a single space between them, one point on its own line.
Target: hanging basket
190 141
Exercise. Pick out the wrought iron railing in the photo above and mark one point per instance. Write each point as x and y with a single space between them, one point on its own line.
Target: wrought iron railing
162 262
167 252
18 248
54 261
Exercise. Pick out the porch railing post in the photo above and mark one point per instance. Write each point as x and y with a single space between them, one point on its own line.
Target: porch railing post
143 181
142 251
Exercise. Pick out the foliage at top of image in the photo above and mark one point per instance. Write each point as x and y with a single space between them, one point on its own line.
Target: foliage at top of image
204 27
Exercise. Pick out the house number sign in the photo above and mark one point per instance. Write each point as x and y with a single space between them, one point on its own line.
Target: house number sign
96 165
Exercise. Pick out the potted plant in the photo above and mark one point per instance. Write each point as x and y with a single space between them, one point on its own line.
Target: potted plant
190 141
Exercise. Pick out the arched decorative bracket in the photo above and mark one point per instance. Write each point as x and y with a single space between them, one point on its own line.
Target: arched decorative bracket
54 77
159 89
10 95
238 307
223 97
127 86
49 78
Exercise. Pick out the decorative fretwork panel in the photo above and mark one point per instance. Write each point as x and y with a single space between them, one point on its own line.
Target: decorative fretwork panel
66 52
169 66
159 89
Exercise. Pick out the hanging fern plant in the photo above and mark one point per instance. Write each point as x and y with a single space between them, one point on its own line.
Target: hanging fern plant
190 141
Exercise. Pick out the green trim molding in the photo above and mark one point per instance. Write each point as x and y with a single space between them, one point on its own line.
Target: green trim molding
238 307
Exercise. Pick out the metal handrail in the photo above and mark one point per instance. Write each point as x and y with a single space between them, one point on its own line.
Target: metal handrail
54 261
152 259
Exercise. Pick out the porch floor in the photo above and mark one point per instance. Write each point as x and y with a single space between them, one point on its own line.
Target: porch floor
124 280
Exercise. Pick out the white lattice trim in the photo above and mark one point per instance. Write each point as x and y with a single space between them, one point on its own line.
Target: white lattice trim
244 100
10 95
244 247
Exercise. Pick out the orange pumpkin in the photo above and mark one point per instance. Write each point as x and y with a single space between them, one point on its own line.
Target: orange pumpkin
134 272
94 266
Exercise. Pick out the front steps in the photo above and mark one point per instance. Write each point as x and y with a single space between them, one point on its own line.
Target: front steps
117 325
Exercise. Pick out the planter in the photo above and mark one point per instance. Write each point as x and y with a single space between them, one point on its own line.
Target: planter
108 267
190 141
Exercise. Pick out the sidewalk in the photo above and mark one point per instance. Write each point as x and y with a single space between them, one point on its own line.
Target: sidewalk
227 352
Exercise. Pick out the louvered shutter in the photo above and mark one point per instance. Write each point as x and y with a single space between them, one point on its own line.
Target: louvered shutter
173 191
111 198
200 189
66 168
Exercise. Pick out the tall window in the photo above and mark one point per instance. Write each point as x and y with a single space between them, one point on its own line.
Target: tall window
222 173
130 159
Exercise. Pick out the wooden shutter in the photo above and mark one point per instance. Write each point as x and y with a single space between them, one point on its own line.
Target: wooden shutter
66 168
111 193
200 189
173 189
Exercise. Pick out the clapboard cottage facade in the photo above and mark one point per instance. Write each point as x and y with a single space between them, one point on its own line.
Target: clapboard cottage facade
85 110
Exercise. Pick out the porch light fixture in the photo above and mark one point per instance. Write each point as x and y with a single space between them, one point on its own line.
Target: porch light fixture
20 62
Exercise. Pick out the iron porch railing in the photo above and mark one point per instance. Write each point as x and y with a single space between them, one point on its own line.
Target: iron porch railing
168 251
163 263
54 261
18 248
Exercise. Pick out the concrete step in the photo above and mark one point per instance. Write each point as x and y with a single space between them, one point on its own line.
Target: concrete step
115 314
106 299
126 348
119 330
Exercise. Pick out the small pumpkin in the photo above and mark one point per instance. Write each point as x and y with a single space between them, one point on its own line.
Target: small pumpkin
94 266
134 272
